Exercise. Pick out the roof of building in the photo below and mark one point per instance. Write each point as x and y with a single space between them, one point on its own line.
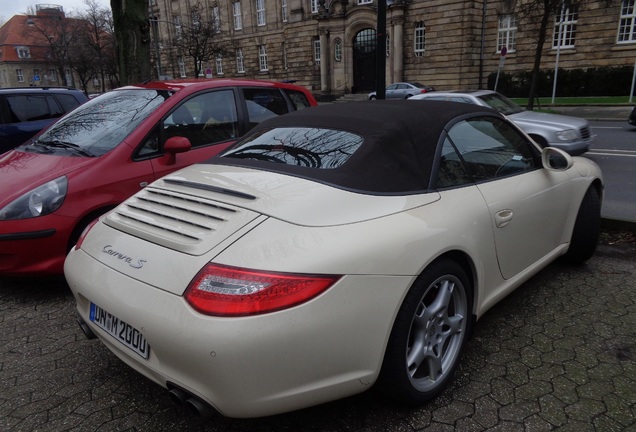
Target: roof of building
22 31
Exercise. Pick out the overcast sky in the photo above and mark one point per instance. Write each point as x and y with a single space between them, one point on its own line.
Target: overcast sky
10 8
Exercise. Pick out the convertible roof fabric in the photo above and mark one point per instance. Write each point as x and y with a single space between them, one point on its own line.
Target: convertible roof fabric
400 139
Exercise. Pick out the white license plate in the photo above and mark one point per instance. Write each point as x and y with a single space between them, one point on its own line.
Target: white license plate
120 330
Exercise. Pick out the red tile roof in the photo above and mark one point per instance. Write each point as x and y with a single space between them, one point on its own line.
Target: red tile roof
20 31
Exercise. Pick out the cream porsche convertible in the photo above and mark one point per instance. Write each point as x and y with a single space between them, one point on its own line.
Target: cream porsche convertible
331 249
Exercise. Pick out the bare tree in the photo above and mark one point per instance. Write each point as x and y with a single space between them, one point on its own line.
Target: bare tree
541 13
95 47
201 38
56 34
132 34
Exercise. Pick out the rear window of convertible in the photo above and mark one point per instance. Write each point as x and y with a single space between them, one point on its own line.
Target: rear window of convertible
300 146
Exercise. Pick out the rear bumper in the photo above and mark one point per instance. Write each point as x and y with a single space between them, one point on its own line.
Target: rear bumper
254 366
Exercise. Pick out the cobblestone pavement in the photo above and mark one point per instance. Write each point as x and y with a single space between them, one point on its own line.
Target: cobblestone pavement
558 353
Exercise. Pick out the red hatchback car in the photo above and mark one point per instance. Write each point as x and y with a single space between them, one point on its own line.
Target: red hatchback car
106 150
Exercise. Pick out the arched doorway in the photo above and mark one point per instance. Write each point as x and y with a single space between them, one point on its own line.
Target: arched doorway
364 73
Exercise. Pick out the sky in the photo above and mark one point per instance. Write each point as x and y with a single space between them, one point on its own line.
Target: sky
10 8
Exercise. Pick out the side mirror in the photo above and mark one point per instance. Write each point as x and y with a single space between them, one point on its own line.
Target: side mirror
174 145
555 159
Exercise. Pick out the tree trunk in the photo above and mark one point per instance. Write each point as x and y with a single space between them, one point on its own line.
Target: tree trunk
132 34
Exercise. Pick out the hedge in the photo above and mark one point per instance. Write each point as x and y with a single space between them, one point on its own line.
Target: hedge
602 81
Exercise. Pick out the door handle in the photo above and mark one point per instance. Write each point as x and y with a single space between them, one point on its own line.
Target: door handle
503 218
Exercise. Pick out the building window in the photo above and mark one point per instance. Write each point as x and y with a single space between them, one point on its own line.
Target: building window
219 64
216 19
507 33
317 50
284 49
236 12
51 75
182 69
23 52
420 39
627 23
363 2
314 6
262 58
195 18
260 12
388 46
337 50
19 75
283 11
177 25
240 61
565 28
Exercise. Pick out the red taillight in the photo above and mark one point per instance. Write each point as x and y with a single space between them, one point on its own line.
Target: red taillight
231 291
82 236
424 91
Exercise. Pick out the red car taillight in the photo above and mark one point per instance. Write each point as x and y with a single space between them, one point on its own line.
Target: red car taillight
82 236
230 291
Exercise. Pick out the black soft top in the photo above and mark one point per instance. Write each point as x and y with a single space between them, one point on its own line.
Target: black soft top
399 144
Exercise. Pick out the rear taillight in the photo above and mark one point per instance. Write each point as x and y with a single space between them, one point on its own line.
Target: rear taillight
82 236
230 291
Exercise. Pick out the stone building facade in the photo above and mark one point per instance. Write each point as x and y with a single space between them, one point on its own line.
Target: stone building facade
329 46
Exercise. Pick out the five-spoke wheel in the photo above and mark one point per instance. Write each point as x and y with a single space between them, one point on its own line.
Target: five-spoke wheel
429 334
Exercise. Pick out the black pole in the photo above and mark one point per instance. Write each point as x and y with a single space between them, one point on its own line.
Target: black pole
380 52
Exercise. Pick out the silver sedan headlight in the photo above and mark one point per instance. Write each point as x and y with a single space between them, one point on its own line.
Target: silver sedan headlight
568 135
40 201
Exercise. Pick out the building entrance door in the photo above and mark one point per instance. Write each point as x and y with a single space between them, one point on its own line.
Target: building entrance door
364 71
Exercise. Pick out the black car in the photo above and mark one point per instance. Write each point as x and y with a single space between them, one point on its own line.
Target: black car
26 111
632 117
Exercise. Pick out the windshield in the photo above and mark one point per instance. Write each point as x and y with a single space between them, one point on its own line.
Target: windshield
501 103
101 124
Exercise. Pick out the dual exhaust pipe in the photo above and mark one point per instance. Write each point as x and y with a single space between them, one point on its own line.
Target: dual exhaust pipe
192 403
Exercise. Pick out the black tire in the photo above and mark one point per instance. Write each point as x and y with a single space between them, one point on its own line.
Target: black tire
429 335
587 229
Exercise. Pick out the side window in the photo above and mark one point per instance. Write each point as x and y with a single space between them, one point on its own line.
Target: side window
298 99
68 102
205 119
451 168
491 148
151 145
263 104
24 108
55 109
459 99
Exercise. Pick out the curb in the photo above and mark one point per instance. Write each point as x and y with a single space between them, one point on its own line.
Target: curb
617 224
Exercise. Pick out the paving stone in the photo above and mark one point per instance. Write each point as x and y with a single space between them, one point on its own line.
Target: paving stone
558 354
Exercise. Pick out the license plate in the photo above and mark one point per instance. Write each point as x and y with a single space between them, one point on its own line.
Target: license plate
120 330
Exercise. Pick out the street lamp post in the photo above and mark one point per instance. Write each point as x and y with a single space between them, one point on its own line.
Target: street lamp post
380 52
154 24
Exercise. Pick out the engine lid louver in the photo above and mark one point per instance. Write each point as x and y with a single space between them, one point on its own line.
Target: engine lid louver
177 216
